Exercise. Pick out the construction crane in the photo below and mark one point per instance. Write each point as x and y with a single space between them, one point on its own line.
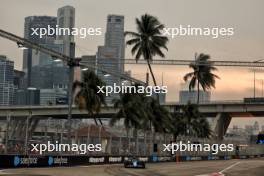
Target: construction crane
70 61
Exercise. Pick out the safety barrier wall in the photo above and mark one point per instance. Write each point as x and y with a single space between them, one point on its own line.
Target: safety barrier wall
16 161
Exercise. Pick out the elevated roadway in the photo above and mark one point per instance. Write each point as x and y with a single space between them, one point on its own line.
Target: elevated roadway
221 112
233 108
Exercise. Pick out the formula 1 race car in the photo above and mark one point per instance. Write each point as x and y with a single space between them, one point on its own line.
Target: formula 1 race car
134 162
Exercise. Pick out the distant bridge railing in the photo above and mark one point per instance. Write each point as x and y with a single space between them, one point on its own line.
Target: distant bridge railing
170 103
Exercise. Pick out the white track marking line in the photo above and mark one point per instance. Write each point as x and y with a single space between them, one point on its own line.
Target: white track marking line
2 172
218 174
221 172
229 167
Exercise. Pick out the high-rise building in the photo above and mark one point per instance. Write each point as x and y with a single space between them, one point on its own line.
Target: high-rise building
109 56
29 96
7 88
90 60
50 96
191 96
106 59
185 95
19 79
42 59
49 77
66 19
114 37
33 22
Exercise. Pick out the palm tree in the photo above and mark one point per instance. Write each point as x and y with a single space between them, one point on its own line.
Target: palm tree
158 118
178 126
195 124
148 41
190 115
190 122
201 75
158 115
203 129
131 109
87 96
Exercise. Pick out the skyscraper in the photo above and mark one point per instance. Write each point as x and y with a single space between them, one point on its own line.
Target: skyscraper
114 37
33 22
7 88
66 19
109 56
41 70
186 96
106 59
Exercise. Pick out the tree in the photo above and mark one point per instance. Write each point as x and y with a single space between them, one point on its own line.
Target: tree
131 109
190 115
202 128
178 126
158 115
201 75
148 41
87 96
190 122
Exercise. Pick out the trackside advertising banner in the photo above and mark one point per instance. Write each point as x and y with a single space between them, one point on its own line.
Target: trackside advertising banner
16 161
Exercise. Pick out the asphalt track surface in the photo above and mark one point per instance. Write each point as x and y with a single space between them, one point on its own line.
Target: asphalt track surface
249 167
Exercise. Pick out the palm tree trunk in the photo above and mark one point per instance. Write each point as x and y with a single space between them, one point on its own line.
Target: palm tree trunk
101 123
88 134
198 92
145 142
95 121
175 137
153 78
153 139
128 140
136 140
151 72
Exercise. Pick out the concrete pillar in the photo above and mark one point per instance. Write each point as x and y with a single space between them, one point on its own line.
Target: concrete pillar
220 124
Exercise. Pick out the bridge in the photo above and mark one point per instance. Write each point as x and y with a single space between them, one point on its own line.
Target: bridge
221 112
210 109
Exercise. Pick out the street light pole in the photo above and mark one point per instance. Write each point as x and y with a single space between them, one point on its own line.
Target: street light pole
71 63
70 100
254 83
262 87
257 61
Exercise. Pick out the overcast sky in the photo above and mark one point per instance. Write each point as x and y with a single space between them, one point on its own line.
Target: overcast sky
245 16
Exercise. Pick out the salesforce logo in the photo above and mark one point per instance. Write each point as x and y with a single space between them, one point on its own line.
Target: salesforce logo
50 161
16 161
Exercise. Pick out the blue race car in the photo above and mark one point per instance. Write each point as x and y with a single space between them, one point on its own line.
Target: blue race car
133 162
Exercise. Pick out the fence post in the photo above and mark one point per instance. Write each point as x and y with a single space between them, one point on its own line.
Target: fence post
7 133
26 138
